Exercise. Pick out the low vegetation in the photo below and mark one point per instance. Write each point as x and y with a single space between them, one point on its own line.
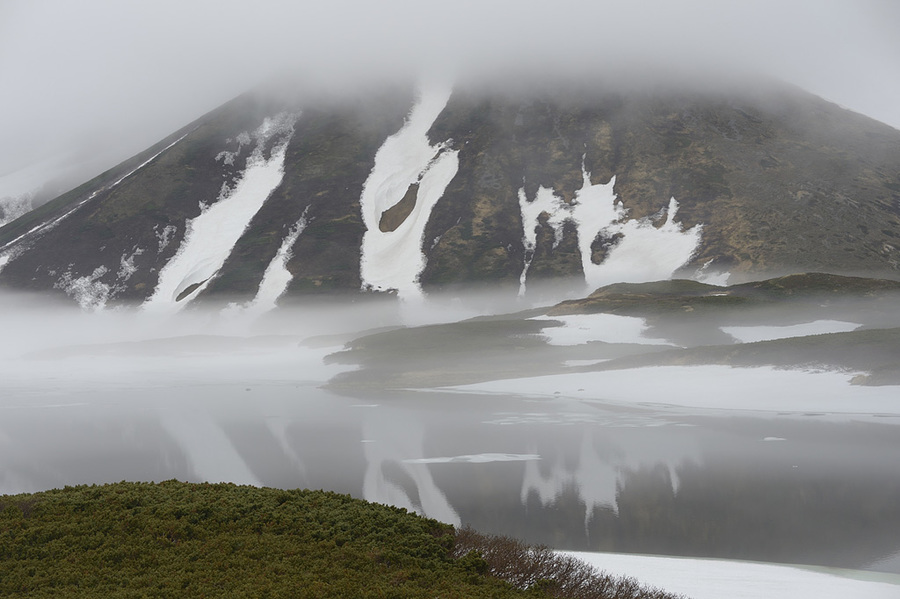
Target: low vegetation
177 539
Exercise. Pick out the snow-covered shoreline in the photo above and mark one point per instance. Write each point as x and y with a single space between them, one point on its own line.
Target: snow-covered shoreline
714 579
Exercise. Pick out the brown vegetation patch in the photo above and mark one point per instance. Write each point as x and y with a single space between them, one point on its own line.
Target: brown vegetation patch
397 214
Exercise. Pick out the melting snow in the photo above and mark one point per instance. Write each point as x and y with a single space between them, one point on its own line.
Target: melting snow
164 236
711 277
608 328
277 277
210 237
393 260
767 333
714 579
88 291
643 251
126 264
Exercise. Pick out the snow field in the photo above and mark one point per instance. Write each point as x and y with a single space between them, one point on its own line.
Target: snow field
393 260
769 333
644 252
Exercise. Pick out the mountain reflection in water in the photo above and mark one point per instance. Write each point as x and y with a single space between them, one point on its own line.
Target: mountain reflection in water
554 471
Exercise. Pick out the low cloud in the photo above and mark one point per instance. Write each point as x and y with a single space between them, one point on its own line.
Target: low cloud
103 76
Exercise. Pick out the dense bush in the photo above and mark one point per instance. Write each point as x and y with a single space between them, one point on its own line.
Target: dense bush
201 540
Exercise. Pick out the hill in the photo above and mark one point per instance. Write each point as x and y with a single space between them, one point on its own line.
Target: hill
176 539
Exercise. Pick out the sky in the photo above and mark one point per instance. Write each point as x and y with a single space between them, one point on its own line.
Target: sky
98 78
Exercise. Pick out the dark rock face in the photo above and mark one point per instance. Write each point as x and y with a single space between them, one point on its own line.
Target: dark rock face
779 180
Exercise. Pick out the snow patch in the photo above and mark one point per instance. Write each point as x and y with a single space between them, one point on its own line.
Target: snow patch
706 275
393 260
164 237
768 333
579 329
210 237
88 291
714 578
126 265
641 252
226 157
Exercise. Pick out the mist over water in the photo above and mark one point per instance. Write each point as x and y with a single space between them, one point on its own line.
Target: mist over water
210 396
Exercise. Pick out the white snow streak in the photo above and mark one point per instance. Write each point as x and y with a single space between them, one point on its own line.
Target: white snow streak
643 251
394 260
44 227
210 237
277 277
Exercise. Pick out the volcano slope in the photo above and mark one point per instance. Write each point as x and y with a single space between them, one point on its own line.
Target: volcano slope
409 190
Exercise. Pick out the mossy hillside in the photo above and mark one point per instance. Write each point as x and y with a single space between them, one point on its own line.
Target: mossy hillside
177 539
680 296
470 351
687 313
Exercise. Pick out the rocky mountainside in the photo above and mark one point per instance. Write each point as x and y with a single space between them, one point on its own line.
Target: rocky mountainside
412 190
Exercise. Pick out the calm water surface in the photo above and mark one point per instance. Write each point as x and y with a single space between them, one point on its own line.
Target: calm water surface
571 474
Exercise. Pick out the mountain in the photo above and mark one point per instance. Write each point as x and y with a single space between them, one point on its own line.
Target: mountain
410 190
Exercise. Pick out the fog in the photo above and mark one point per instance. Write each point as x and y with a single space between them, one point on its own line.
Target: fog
100 80
510 421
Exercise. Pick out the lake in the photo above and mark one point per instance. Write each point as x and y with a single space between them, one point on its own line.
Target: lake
91 400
